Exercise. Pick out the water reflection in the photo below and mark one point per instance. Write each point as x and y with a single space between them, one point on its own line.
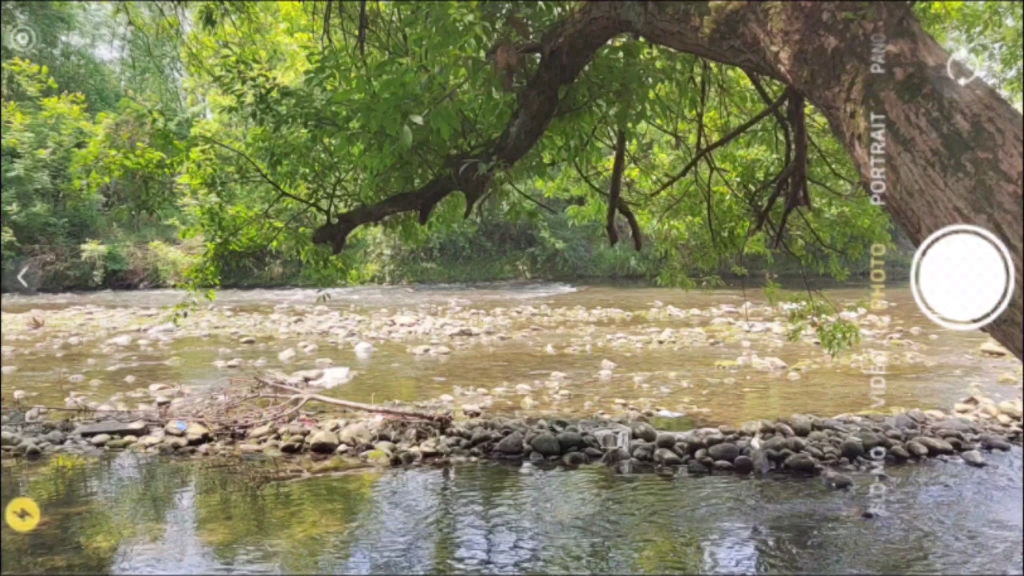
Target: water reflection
178 551
136 515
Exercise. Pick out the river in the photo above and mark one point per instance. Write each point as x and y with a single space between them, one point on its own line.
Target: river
131 513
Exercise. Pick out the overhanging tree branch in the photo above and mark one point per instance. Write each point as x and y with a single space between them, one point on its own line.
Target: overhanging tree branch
570 46
622 205
281 191
718 144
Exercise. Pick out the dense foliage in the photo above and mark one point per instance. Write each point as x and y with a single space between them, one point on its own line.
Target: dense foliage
203 143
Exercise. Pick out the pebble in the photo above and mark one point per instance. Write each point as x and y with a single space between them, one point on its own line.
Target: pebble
973 458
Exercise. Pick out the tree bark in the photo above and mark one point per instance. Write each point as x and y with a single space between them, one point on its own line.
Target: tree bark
952 153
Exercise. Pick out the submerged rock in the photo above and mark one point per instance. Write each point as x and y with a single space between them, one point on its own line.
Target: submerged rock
333 377
974 458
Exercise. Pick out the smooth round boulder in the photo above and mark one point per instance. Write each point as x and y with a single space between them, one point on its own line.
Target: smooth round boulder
568 440
695 468
935 446
743 464
574 459
546 444
801 426
667 457
796 444
726 451
870 440
479 437
898 453
991 442
511 444
800 462
974 458
324 442
775 443
852 448
917 449
644 452
644 431
665 440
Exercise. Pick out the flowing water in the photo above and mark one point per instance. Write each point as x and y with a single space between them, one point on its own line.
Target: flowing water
128 513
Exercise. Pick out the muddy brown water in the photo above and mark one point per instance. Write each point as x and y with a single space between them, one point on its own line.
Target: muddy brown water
127 513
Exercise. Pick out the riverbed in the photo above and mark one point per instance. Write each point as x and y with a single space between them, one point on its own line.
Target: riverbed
540 349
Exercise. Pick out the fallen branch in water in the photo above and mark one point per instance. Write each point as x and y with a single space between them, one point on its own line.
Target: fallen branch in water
302 397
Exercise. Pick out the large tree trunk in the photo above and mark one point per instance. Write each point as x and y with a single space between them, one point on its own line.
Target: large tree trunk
953 154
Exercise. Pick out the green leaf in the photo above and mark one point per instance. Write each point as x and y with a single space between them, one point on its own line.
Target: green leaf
406 136
416 119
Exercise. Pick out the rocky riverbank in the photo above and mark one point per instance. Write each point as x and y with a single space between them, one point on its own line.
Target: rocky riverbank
800 444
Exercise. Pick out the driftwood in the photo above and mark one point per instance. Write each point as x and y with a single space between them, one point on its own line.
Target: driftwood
241 409
302 396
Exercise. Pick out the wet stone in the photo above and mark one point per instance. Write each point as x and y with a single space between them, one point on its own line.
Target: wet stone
817 436
615 455
644 431
567 440
114 428
796 444
574 459
837 481
775 443
917 449
713 439
935 446
665 440
324 442
852 448
644 452
990 442
800 462
801 426
695 467
726 451
870 440
667 457
100 439
511 444
479 437
743 464
546 444
974 458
